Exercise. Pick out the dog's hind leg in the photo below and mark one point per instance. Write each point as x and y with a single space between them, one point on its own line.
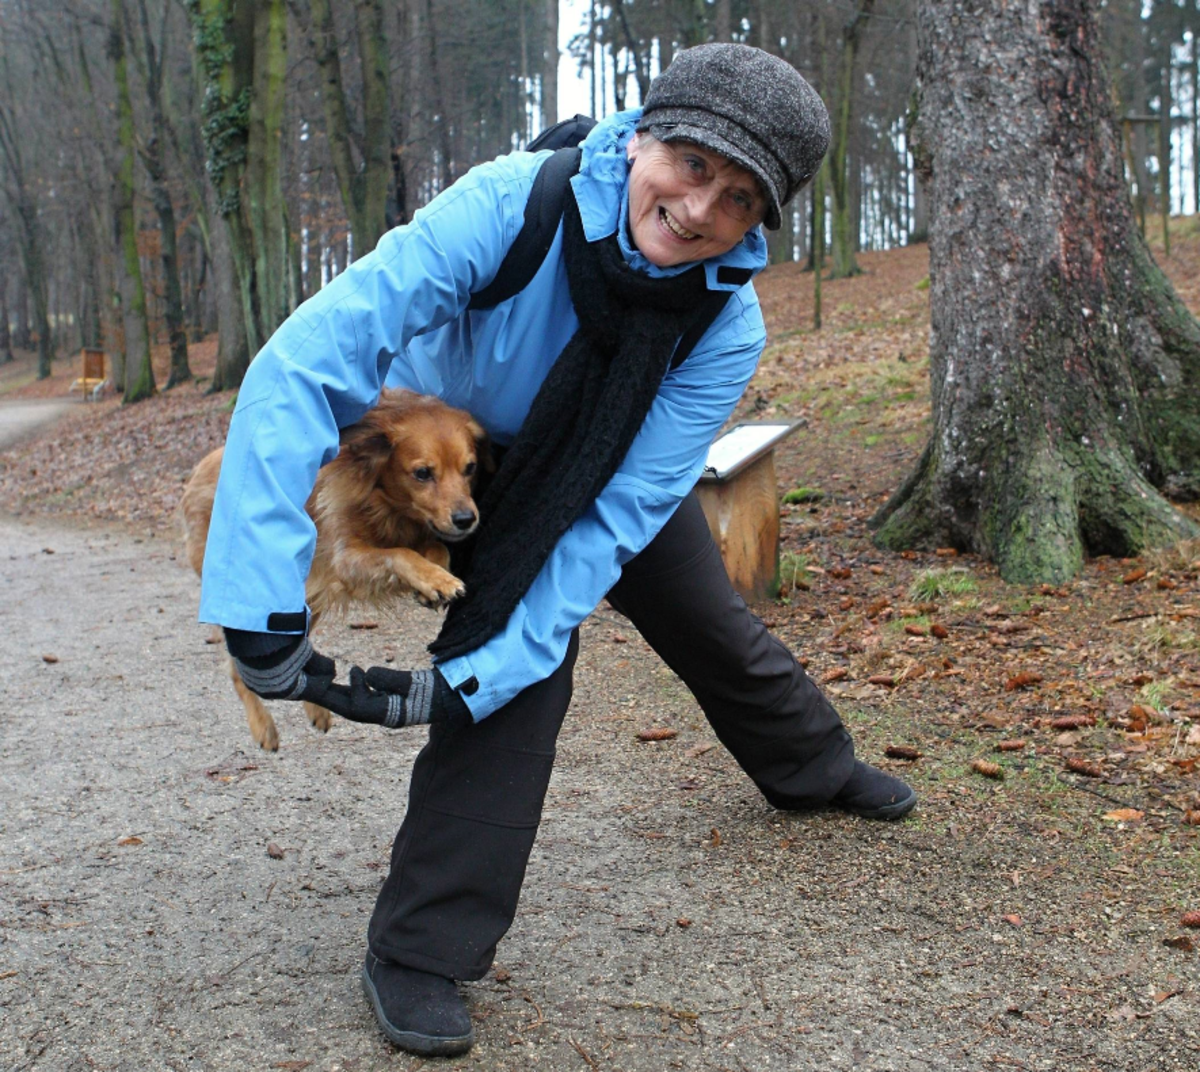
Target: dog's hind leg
317 715
262 725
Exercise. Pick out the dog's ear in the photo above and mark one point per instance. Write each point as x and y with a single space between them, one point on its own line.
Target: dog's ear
483 446
366 445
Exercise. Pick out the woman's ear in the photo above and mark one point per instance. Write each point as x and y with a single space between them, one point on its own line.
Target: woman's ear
631 147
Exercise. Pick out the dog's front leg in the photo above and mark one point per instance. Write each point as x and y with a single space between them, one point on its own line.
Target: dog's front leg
363 568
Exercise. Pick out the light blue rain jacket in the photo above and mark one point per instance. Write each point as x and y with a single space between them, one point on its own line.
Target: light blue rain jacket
398 317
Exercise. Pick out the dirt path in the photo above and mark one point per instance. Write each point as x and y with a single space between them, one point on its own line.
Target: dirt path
19 418
143 924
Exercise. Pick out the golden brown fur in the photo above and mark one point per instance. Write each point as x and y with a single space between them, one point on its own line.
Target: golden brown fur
398 490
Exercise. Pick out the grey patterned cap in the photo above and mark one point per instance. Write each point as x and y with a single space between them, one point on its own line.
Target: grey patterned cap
751 107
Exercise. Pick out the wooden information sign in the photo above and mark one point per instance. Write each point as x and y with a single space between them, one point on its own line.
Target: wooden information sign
741 502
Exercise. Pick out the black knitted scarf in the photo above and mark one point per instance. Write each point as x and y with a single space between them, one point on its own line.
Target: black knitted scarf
578 430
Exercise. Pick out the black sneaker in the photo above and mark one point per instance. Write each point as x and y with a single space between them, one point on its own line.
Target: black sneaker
874 795
419 1011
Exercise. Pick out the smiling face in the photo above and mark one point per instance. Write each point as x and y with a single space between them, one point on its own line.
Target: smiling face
688 203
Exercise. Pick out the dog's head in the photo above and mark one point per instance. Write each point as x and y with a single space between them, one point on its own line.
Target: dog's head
421 457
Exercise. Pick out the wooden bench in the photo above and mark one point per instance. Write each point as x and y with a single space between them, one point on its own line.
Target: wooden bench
93 377
740 499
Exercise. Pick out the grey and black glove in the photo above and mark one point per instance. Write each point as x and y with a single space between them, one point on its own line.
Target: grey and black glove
396 698
285 667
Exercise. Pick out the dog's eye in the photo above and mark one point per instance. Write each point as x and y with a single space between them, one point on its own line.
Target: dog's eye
470 469
424 474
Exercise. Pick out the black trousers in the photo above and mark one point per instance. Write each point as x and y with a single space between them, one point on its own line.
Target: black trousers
476 794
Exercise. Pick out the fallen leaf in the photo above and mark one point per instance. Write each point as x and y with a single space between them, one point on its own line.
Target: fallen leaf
8 974
838 673
841 573
1013 918
503 975
1180 941
618 638
1022 680
1191 817
683 921
988 770
657 733
1133 576
1082 766
715 838
946 552
877 570
878 607
1072 722
939 631
1124 815
274 851
1009 746
886 680
49 658
1161 995
901 751
698 750
129 841
1166 584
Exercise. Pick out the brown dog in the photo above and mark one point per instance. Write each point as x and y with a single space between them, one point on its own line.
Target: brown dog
385 507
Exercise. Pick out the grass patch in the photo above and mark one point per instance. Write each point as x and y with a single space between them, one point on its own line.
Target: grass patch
793 574
933 584
802 495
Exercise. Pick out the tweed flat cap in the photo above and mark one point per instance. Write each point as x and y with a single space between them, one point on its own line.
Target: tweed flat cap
751 107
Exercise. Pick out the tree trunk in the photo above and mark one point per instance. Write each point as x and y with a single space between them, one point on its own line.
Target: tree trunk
23 339
1064 369
363 186
550 65
840 186
160 195
6 354
139 372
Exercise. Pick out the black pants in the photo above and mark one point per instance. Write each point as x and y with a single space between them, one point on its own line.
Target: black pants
476 794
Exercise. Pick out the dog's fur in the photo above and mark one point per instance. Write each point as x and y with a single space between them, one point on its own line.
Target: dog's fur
399 489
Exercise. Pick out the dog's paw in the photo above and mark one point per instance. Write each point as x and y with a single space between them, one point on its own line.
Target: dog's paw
318 716
441 592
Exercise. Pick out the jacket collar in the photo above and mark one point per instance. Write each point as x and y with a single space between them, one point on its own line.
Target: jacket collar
602 193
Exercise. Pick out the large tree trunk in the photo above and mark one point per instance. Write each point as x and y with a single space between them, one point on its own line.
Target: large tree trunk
1063 367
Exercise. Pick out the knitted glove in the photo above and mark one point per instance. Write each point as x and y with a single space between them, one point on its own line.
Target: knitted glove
285 667
395 698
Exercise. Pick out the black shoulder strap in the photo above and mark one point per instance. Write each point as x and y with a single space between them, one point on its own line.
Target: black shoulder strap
710 308
542 214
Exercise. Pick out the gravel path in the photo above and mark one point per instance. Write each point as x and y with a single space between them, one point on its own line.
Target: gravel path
18 418
671 920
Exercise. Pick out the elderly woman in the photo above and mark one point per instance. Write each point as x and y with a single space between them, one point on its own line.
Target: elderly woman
605 440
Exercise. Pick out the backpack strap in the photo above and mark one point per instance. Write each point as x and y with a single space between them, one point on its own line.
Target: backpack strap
710 308
543 211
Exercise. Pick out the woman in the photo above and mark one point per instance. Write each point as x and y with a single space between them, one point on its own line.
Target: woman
593 498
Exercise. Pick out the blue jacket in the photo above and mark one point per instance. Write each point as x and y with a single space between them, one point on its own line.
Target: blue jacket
398 317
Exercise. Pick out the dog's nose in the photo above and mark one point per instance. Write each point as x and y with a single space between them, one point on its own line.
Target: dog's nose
463 519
